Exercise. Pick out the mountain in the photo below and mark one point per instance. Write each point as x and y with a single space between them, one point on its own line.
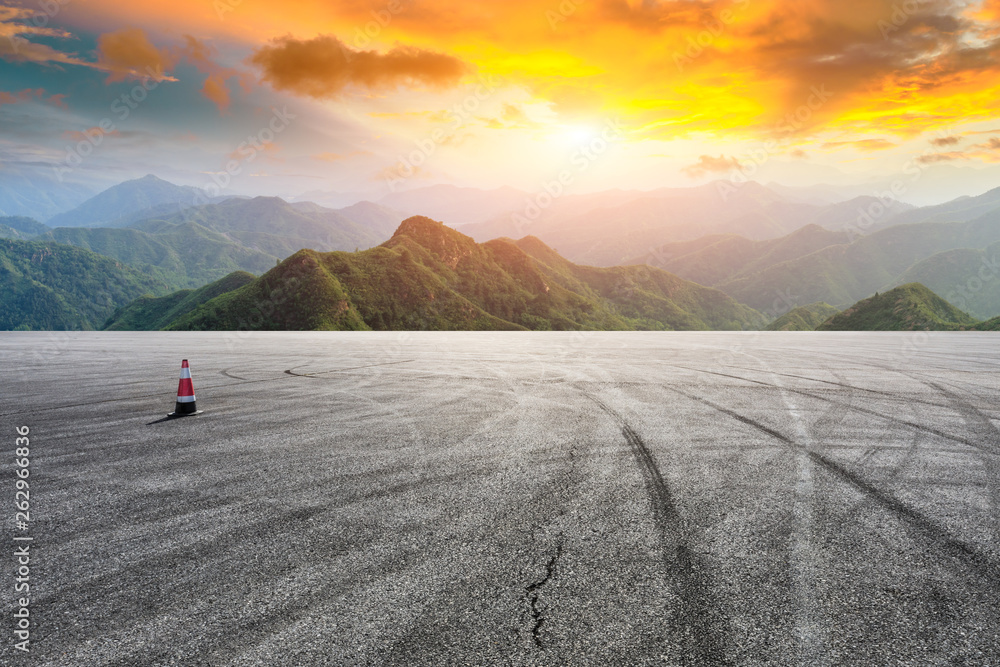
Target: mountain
989 325
962 209
910 307
428 276
117 205
714 259
969 278
51 286
20 227
843 274
621 231
200 244
456 205
36 191
277 228
380 219
803 318
149 313
181 255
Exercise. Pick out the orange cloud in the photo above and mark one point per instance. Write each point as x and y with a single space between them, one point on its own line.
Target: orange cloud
707 164
128 54
90 134
992 145
215 88
324 67
751 67
941 157
16 45
31 94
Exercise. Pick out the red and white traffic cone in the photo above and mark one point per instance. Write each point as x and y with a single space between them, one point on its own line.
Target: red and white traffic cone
185 394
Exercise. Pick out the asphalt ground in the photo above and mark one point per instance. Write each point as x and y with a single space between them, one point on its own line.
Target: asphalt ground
506 498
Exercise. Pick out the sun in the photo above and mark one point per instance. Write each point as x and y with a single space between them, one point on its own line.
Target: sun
576 134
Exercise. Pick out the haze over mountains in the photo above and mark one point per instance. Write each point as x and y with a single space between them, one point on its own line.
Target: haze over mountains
793 252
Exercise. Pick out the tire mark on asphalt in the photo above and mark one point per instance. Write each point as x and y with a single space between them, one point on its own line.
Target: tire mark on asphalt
948 543
982 426
842 383
703 637
856 408
288 374
291 371
225 371
810 622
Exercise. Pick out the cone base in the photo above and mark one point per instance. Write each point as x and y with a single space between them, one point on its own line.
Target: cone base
185 414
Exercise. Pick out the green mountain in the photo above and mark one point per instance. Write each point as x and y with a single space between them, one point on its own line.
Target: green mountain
910 307
51 286
117 204
989 325
184 255
428 276
843 274
149 313
968 278
803 318
20 227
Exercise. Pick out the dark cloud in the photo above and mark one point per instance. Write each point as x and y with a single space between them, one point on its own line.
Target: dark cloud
324 67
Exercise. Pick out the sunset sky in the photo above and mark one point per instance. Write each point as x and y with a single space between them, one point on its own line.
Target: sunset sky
265 97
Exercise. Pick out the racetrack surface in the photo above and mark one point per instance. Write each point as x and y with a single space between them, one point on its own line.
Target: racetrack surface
507 498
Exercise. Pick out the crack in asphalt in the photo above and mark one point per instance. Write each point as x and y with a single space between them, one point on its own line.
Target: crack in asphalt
532 592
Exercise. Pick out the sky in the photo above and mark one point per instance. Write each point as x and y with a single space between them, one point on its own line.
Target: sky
375 96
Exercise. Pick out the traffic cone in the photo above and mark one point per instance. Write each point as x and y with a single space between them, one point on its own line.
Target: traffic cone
185 394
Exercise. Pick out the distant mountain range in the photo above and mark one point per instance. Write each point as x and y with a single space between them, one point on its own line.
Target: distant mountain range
798 260
119 205
428 276
627 225
200 244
